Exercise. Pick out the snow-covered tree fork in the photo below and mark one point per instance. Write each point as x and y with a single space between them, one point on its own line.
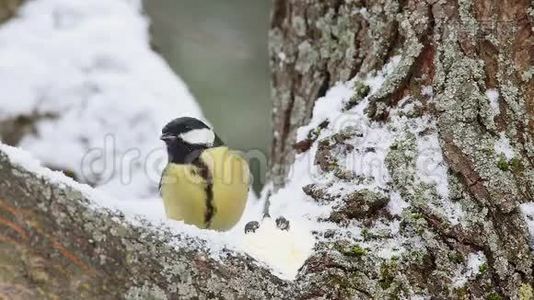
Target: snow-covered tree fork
465 64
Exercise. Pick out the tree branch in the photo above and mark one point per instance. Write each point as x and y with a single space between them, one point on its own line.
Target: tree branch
55 244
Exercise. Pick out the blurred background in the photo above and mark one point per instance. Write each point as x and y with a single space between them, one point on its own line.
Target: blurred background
92 101
219 48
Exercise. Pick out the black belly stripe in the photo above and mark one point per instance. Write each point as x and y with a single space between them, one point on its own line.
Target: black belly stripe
206 174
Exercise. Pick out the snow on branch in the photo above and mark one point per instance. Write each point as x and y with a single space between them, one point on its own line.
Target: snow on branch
52 227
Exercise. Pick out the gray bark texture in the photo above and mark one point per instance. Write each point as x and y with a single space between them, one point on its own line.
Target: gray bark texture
460 48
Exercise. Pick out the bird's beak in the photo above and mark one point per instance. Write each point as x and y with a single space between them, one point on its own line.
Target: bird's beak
167 137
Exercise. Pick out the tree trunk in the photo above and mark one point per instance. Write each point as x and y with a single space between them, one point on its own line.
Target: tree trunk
464 50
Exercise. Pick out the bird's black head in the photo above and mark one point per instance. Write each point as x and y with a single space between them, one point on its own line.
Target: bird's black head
186 138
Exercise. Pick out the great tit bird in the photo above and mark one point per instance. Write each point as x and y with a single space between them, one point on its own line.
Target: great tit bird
204 183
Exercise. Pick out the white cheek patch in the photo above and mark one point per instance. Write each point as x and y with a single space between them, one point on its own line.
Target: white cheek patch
199 136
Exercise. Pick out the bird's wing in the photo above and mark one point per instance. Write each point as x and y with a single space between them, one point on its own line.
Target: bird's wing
161 179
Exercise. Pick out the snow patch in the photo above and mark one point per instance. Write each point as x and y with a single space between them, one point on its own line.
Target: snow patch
503 147
528 213
474 262
430 165
284 250
396 205
432 169
428 91
493 97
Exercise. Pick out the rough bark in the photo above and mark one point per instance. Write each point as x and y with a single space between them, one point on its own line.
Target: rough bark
314 44
55 245
461 49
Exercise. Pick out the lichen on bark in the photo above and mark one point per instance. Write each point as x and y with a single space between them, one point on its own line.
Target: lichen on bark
451 53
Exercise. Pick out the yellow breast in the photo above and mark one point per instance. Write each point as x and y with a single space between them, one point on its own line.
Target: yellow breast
185 194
